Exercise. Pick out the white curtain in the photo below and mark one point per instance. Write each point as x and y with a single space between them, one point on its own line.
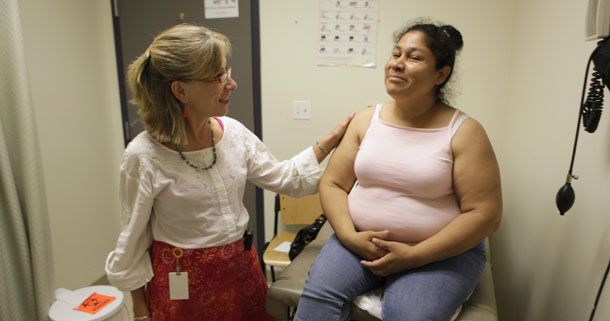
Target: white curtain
26 273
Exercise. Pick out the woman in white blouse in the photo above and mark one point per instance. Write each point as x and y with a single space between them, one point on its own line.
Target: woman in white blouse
182 251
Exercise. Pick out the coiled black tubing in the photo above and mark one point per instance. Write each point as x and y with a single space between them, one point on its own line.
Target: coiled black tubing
590 112
592 108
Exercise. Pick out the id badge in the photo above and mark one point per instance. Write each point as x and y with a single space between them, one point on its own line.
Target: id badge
179 286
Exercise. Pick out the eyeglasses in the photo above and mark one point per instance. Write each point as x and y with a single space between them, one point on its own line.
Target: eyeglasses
222 79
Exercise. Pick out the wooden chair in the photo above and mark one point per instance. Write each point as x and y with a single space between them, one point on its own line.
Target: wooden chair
293 211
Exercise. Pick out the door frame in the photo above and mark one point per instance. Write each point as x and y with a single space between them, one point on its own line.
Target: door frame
256 100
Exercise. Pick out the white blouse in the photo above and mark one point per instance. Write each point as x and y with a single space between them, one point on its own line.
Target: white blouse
165 199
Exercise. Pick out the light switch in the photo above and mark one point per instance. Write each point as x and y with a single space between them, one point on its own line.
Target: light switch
301 109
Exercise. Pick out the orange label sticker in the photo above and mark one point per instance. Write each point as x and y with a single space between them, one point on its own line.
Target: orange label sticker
94 303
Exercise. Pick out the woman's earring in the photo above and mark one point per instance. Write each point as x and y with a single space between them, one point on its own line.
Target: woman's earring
184 113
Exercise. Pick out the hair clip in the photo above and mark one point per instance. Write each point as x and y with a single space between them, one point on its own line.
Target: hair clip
147 53
446 33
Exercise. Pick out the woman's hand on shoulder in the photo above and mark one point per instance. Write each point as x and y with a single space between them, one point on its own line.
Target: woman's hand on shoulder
362 121
337 133
358 119
323 146
362 244
330 141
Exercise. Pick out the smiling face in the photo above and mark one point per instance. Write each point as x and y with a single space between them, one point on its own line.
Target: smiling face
208 97
411 71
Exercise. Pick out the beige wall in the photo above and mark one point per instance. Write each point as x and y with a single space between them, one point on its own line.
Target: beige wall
289 72
519 74
70 58
549 267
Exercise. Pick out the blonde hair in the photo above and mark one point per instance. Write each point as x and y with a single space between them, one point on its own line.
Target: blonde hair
183 52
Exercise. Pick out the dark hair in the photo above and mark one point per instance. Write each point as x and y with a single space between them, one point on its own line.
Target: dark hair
444 41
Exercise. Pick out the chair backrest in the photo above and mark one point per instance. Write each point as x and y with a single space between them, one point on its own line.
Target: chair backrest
300 211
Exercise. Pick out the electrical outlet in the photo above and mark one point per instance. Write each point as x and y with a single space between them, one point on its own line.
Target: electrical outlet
301 109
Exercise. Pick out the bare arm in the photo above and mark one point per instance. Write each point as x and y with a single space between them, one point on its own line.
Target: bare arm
140 308
476 179
336 183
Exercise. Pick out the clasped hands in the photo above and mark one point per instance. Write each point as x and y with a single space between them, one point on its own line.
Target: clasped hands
381 256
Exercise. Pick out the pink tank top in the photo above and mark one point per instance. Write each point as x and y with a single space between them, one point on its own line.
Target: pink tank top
404 180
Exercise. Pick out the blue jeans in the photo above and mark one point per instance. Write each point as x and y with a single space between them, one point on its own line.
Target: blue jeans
432 292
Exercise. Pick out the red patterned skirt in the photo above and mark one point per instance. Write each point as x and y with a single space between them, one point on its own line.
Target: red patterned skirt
226 283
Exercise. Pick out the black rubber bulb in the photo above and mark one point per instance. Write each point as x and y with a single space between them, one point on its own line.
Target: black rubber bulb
565 198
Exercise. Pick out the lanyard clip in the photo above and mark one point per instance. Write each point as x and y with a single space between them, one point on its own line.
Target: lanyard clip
178 253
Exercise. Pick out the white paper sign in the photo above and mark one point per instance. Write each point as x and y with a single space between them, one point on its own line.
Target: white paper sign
348 32
215 9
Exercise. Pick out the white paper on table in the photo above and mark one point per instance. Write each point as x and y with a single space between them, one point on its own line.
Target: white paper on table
284 247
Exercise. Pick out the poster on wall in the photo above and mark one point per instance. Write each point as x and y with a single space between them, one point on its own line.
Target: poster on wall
348 32
215 9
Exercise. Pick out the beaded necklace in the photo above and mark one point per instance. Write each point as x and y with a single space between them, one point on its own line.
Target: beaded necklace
197 168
